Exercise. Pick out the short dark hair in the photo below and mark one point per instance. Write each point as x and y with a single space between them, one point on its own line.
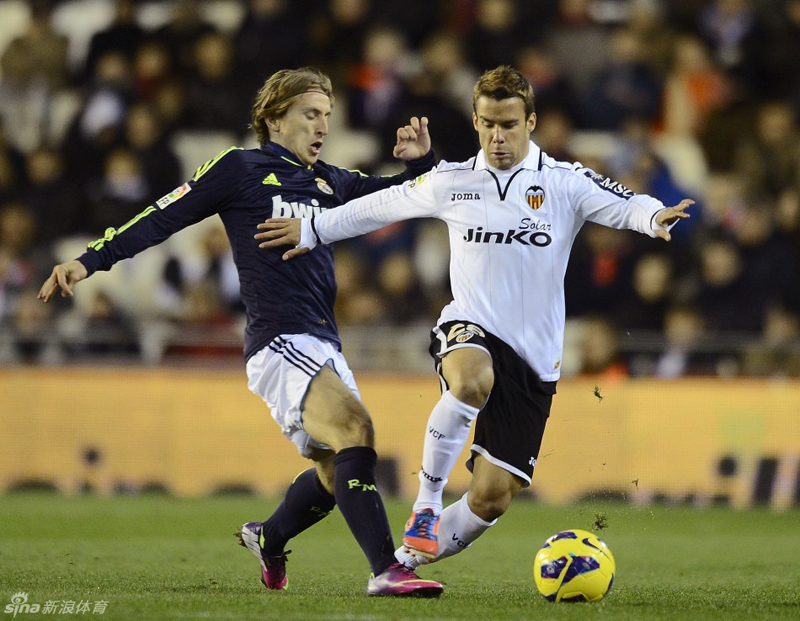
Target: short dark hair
280 91
504 82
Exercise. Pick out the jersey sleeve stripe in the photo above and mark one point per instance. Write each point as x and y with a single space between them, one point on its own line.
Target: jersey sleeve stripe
207 166
111 233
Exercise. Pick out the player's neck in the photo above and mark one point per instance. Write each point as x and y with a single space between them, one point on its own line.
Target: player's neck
504 172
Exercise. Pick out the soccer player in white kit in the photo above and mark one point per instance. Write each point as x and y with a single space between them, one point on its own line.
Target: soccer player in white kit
513 213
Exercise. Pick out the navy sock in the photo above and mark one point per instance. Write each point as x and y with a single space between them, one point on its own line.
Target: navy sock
306 503
362 506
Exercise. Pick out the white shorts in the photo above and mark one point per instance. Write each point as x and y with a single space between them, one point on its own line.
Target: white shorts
281 373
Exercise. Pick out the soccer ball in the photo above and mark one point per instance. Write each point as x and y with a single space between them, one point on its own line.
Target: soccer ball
574 566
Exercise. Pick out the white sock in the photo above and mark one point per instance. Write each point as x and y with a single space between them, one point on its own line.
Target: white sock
445 436
412 561
458 528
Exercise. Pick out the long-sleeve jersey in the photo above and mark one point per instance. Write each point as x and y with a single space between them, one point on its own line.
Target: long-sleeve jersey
246 187
510 232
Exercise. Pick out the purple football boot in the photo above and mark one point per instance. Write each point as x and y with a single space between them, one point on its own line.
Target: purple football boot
273 568
399 581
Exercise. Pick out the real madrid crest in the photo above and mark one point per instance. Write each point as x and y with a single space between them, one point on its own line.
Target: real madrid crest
534 196
323 186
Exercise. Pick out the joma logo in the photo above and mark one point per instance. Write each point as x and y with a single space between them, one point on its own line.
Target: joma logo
465 196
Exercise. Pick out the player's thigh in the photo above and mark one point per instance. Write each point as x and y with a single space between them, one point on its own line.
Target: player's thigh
492 488
469 374
333 415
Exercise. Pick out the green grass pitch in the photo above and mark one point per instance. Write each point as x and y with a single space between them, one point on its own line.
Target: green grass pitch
155 557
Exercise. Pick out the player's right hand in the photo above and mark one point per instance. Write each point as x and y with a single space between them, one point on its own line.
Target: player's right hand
64 276
283 232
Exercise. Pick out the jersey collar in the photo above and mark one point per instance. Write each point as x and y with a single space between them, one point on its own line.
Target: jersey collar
533 161
283 153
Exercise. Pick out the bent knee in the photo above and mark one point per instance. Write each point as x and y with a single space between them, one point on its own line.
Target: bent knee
474 388
489 504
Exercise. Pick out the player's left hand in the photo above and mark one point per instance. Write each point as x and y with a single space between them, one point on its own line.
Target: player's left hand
670 215
64 277
281 232
413 140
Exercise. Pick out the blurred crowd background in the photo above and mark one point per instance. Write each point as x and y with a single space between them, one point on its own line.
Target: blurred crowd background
106 106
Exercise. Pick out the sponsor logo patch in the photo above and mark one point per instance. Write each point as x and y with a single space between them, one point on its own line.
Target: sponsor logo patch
295 209
534 196
170 198
608 184
419 180
271 179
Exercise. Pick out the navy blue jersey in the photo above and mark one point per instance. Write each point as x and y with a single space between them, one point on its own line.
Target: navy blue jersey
245 187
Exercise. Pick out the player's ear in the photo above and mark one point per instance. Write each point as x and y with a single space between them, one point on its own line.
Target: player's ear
274 125
475 121
531 122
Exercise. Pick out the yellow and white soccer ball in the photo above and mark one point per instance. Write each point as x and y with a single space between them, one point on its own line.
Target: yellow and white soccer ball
574 566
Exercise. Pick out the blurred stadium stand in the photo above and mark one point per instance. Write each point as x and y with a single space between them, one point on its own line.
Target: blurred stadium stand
105 106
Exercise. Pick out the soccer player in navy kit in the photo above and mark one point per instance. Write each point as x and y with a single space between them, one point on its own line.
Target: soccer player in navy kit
292 345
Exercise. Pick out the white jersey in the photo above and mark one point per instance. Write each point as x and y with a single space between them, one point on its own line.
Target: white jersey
511 233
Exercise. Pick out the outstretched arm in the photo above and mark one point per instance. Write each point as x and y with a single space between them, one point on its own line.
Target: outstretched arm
602 200
412 199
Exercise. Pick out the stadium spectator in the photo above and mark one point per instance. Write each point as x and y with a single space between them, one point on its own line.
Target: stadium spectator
732 28
123 35
599 355
406 300
34 67
493 39
270 36
104 331
21 260
145 135
683 328
554 93
214 97
653 288
98 125
441 76
599 272
182 32
777 352
56 201
337 36
377 84
213 264
769 160
693 88
12 167
153 67
721 302
119 193
627 87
